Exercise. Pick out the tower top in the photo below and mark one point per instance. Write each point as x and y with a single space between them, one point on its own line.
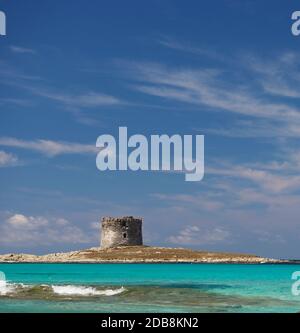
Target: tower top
121 219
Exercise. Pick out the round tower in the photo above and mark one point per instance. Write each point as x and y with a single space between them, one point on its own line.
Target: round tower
121 231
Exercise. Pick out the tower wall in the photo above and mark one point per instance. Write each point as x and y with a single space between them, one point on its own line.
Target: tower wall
123 231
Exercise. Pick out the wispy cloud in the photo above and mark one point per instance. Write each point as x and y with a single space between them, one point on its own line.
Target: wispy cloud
48 147
21 50
14 77
195 235
69 100
279 76
189 48
257 128
207 203
16 101
8 159
208 88
275 182
268 185
88 100
243 90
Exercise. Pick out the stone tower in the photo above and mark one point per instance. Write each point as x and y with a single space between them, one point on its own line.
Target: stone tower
121 231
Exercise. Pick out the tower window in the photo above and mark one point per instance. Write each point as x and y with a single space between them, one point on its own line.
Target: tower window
124 235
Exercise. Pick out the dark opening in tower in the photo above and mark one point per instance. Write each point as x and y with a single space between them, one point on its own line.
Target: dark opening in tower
124 235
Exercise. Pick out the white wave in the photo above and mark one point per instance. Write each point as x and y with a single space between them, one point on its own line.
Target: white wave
7 288
111 292
69 290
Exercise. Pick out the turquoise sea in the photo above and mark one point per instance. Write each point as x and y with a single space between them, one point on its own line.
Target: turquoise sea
147 288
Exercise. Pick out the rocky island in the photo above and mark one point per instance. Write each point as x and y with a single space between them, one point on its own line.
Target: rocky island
138 254
122 242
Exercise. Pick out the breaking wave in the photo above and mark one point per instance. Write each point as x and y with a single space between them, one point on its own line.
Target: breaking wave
7 288
85 291
53 291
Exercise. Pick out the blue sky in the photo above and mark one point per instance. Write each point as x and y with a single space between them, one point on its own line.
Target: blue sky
226 69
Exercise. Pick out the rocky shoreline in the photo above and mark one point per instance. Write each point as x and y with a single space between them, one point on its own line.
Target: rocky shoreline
138 254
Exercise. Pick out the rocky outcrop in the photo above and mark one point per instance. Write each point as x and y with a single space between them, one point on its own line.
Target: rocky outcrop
139 254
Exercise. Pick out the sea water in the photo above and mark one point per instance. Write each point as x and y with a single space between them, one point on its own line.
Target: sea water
148 288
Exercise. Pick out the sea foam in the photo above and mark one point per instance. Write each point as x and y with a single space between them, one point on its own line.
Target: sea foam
71 290
6 288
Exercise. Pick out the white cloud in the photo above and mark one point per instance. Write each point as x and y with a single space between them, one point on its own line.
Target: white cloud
12 77
72 101
21 50
186 47
26 222
274 183
48 147
16 101
268 237
62 222
89 99
17 220
245 89
258 128
194 235
20 229
209 88
95 225
279 76
7 159
207 202
248 196
267 180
